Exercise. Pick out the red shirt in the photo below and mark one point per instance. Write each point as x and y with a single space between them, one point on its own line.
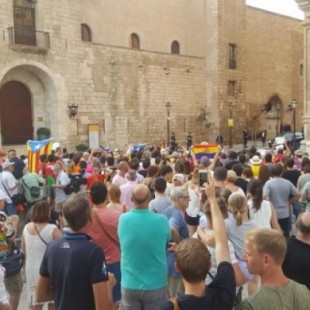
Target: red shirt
92 179
47 169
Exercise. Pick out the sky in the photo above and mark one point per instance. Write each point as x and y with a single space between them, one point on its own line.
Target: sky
285 7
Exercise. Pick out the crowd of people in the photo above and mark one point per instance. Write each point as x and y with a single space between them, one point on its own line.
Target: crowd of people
157 229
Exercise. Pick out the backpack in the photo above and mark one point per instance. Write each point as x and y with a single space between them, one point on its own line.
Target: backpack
34 190
69 189
75 182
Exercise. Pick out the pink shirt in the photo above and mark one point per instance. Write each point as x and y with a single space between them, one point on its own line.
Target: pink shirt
109 218
119 180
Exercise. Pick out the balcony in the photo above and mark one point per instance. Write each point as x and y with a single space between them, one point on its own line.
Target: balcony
28 40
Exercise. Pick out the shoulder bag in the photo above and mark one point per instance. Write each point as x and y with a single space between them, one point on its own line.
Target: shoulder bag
33 190
39 235
12 261
115 241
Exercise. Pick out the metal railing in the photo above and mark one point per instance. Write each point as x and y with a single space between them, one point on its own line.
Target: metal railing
29 36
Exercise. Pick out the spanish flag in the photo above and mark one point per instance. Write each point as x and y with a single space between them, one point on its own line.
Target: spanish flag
35 149
208 150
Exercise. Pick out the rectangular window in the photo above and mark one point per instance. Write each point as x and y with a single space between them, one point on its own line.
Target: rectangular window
232 56
231 88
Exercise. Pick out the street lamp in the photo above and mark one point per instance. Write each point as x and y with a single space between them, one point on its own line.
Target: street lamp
277 107
168 106
230 123
294 106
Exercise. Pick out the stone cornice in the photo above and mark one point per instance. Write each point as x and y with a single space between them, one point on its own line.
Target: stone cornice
304 5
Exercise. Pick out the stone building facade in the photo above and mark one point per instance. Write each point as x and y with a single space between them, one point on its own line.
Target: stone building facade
304 5
122 61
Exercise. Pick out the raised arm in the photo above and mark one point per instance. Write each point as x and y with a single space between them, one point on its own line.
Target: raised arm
288 150
219 228
216 157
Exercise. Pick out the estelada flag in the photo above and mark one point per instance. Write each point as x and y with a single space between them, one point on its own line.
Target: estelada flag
35 149
138 147
208 150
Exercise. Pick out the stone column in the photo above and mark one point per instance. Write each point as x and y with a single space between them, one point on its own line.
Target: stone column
304 5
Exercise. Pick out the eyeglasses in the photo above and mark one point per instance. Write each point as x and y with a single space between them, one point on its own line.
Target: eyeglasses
186 197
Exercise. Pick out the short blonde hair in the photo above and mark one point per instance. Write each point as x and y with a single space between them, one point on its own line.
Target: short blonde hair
231 176
269 241
114 193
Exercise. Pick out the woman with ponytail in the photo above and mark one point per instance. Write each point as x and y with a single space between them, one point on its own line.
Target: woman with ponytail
261 211
236 231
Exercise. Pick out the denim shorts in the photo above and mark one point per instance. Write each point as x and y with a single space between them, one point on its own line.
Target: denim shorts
115 268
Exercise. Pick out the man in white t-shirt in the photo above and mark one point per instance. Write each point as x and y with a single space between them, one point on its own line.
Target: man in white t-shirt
120 179
8 184
62 180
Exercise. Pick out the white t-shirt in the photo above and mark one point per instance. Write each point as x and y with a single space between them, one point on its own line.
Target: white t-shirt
3 195
62 179
261 217
193 209
7 182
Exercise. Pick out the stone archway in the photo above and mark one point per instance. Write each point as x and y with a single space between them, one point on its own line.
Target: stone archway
15 113
274 109
41 83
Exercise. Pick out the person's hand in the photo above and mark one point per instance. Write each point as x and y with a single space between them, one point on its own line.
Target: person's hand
172 247
200 232
209 187
112 280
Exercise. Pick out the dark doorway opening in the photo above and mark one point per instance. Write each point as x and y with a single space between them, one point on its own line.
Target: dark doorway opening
15 113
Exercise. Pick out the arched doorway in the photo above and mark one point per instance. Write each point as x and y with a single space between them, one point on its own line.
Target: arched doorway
274 109
15 113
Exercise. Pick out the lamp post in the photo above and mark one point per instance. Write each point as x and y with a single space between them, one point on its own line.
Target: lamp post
277 107
168 106
230 123
72 110
294 106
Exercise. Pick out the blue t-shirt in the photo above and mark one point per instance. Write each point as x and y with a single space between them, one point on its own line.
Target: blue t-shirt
220 294
143 238
73 264
176 220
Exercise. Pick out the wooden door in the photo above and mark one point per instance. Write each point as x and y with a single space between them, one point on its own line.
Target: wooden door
15 113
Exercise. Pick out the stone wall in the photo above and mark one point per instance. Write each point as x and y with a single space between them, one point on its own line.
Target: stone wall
125 91
274 54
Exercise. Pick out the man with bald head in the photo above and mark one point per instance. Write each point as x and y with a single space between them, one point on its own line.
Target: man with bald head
296 263
143 237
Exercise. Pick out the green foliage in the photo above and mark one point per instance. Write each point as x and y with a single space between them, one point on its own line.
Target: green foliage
43 131
81 147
